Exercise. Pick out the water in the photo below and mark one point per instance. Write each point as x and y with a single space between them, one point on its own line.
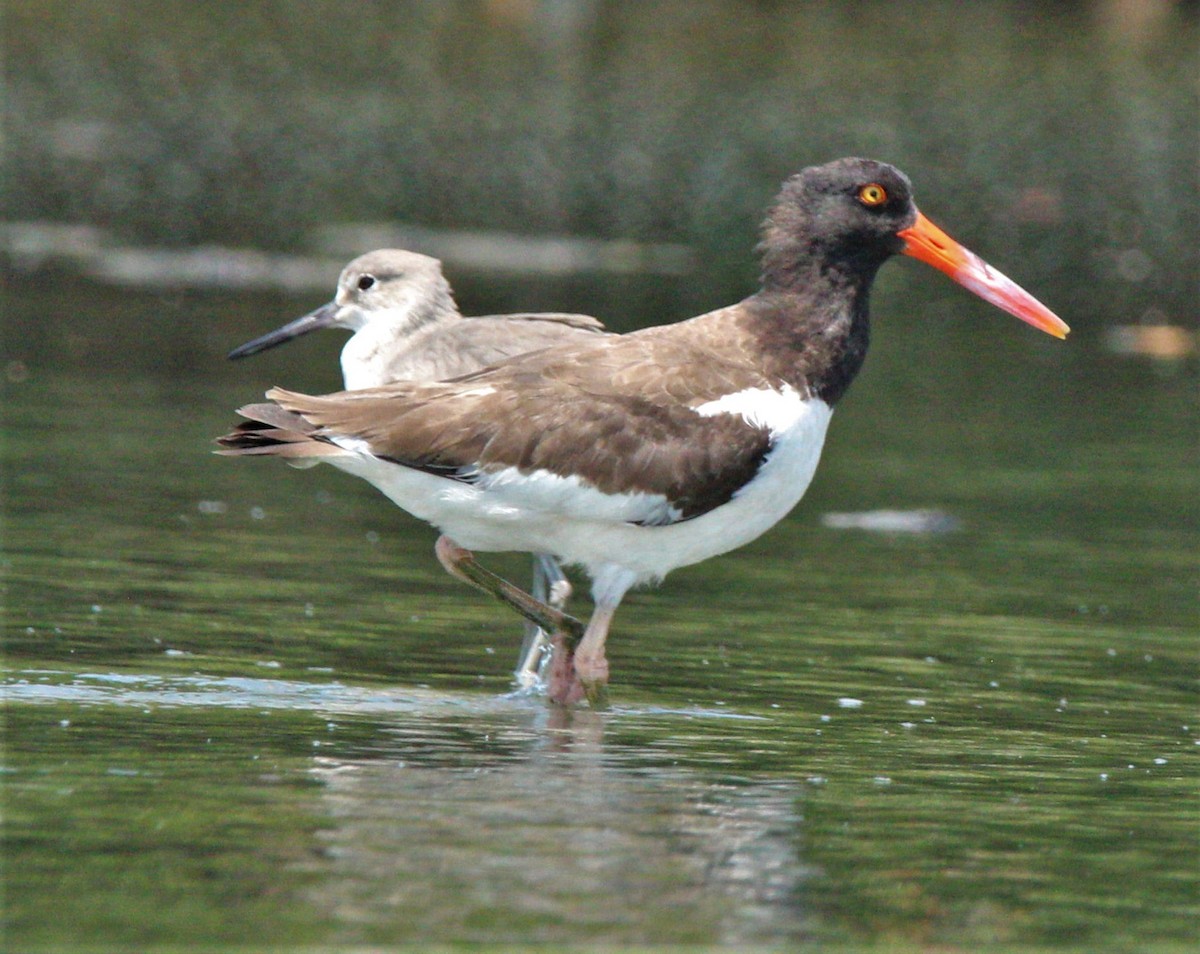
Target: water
245 704
949 703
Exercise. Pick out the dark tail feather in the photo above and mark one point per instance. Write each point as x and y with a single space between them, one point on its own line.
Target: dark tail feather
270 430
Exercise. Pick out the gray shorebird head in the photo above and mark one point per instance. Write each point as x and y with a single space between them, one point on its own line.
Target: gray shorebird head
394 287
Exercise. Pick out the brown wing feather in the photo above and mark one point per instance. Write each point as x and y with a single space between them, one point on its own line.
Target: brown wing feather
462 347
619 413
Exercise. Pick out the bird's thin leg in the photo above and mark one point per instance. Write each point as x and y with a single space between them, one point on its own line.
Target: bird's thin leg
536 641
562 683
581 672
461 563
591 665
551 586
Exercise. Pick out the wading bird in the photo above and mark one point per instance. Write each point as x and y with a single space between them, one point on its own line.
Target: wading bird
406 327
632 455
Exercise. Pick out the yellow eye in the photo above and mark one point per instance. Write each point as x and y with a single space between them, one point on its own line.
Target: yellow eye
872 194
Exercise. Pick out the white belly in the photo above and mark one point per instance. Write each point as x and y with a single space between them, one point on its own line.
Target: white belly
544 513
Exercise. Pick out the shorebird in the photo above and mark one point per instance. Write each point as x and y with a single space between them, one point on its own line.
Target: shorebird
407 327
635 454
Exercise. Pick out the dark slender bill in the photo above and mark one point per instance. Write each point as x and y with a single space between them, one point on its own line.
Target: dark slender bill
323 317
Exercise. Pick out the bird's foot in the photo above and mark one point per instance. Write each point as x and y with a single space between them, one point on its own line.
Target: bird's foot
562 683
591 670
572 678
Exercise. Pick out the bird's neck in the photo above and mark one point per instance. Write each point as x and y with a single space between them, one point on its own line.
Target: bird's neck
382 334
812 325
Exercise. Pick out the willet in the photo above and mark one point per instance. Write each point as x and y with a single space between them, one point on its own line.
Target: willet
407 327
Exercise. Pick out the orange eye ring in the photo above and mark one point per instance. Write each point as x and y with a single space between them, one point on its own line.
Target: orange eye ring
872 194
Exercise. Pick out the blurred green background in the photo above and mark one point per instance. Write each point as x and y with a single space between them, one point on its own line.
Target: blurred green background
1061 136
247 708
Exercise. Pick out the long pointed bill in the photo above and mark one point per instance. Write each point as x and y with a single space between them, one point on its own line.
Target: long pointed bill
323 317
925 241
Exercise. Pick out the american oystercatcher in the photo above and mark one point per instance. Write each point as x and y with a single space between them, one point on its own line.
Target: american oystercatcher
633 455
407 327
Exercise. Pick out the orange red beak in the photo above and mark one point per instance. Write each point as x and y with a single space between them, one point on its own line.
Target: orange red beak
925 241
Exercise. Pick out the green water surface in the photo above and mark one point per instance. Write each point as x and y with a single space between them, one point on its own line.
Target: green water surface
246 709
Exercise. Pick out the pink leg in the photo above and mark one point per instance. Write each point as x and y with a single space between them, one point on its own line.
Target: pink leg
460 563
562 684
591 665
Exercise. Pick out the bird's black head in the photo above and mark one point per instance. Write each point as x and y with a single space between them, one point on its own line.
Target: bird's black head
832 226
842 217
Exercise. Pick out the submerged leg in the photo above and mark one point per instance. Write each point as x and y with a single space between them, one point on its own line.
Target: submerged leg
550 586
461 563
562 683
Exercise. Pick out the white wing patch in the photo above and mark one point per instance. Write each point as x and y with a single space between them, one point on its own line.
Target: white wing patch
777 411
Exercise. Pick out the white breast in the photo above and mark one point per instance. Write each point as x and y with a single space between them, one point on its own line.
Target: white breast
363 364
